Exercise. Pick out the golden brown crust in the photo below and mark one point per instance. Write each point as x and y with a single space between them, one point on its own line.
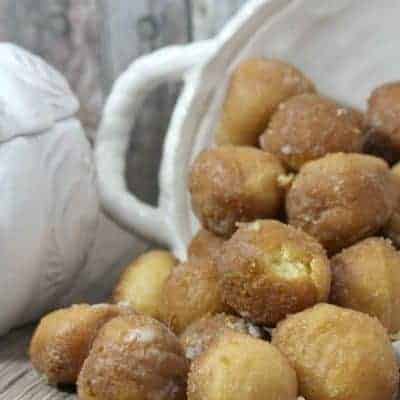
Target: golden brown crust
191 291
205 244
396 169
63 339
392 228
339 354
257 87
309 126
134 358
366 277
269 269
234 184
383 118
341 198
140 285
239 367
198 336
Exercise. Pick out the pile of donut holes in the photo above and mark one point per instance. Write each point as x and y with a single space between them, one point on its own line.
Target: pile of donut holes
291 287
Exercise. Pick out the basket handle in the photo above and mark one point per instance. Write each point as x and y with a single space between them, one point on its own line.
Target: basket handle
129 91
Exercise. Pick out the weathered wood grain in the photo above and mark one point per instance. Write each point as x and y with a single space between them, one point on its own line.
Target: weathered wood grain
209 16
18 381
4 30
131 29
65 33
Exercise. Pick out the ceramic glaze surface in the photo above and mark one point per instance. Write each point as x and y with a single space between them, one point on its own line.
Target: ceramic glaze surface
56 245
46 97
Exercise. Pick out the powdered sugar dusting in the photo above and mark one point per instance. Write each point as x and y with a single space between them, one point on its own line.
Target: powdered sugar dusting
244 314
255 226
286 149
254 330
124 304
142 335
194 351
169 391
100 306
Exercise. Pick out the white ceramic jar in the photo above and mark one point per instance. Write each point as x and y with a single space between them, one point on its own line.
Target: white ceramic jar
56 246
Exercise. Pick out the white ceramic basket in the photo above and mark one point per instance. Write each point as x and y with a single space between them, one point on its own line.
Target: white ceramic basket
346 46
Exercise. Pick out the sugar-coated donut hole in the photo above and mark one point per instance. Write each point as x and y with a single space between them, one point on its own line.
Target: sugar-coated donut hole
269 269
341 198
137 358
339 354
392 228
239 367
309 126
256 89
366 277
383 120
62 340
235 184
140 285
191 291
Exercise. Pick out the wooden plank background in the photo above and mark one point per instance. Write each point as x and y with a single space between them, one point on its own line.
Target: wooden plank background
91 42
